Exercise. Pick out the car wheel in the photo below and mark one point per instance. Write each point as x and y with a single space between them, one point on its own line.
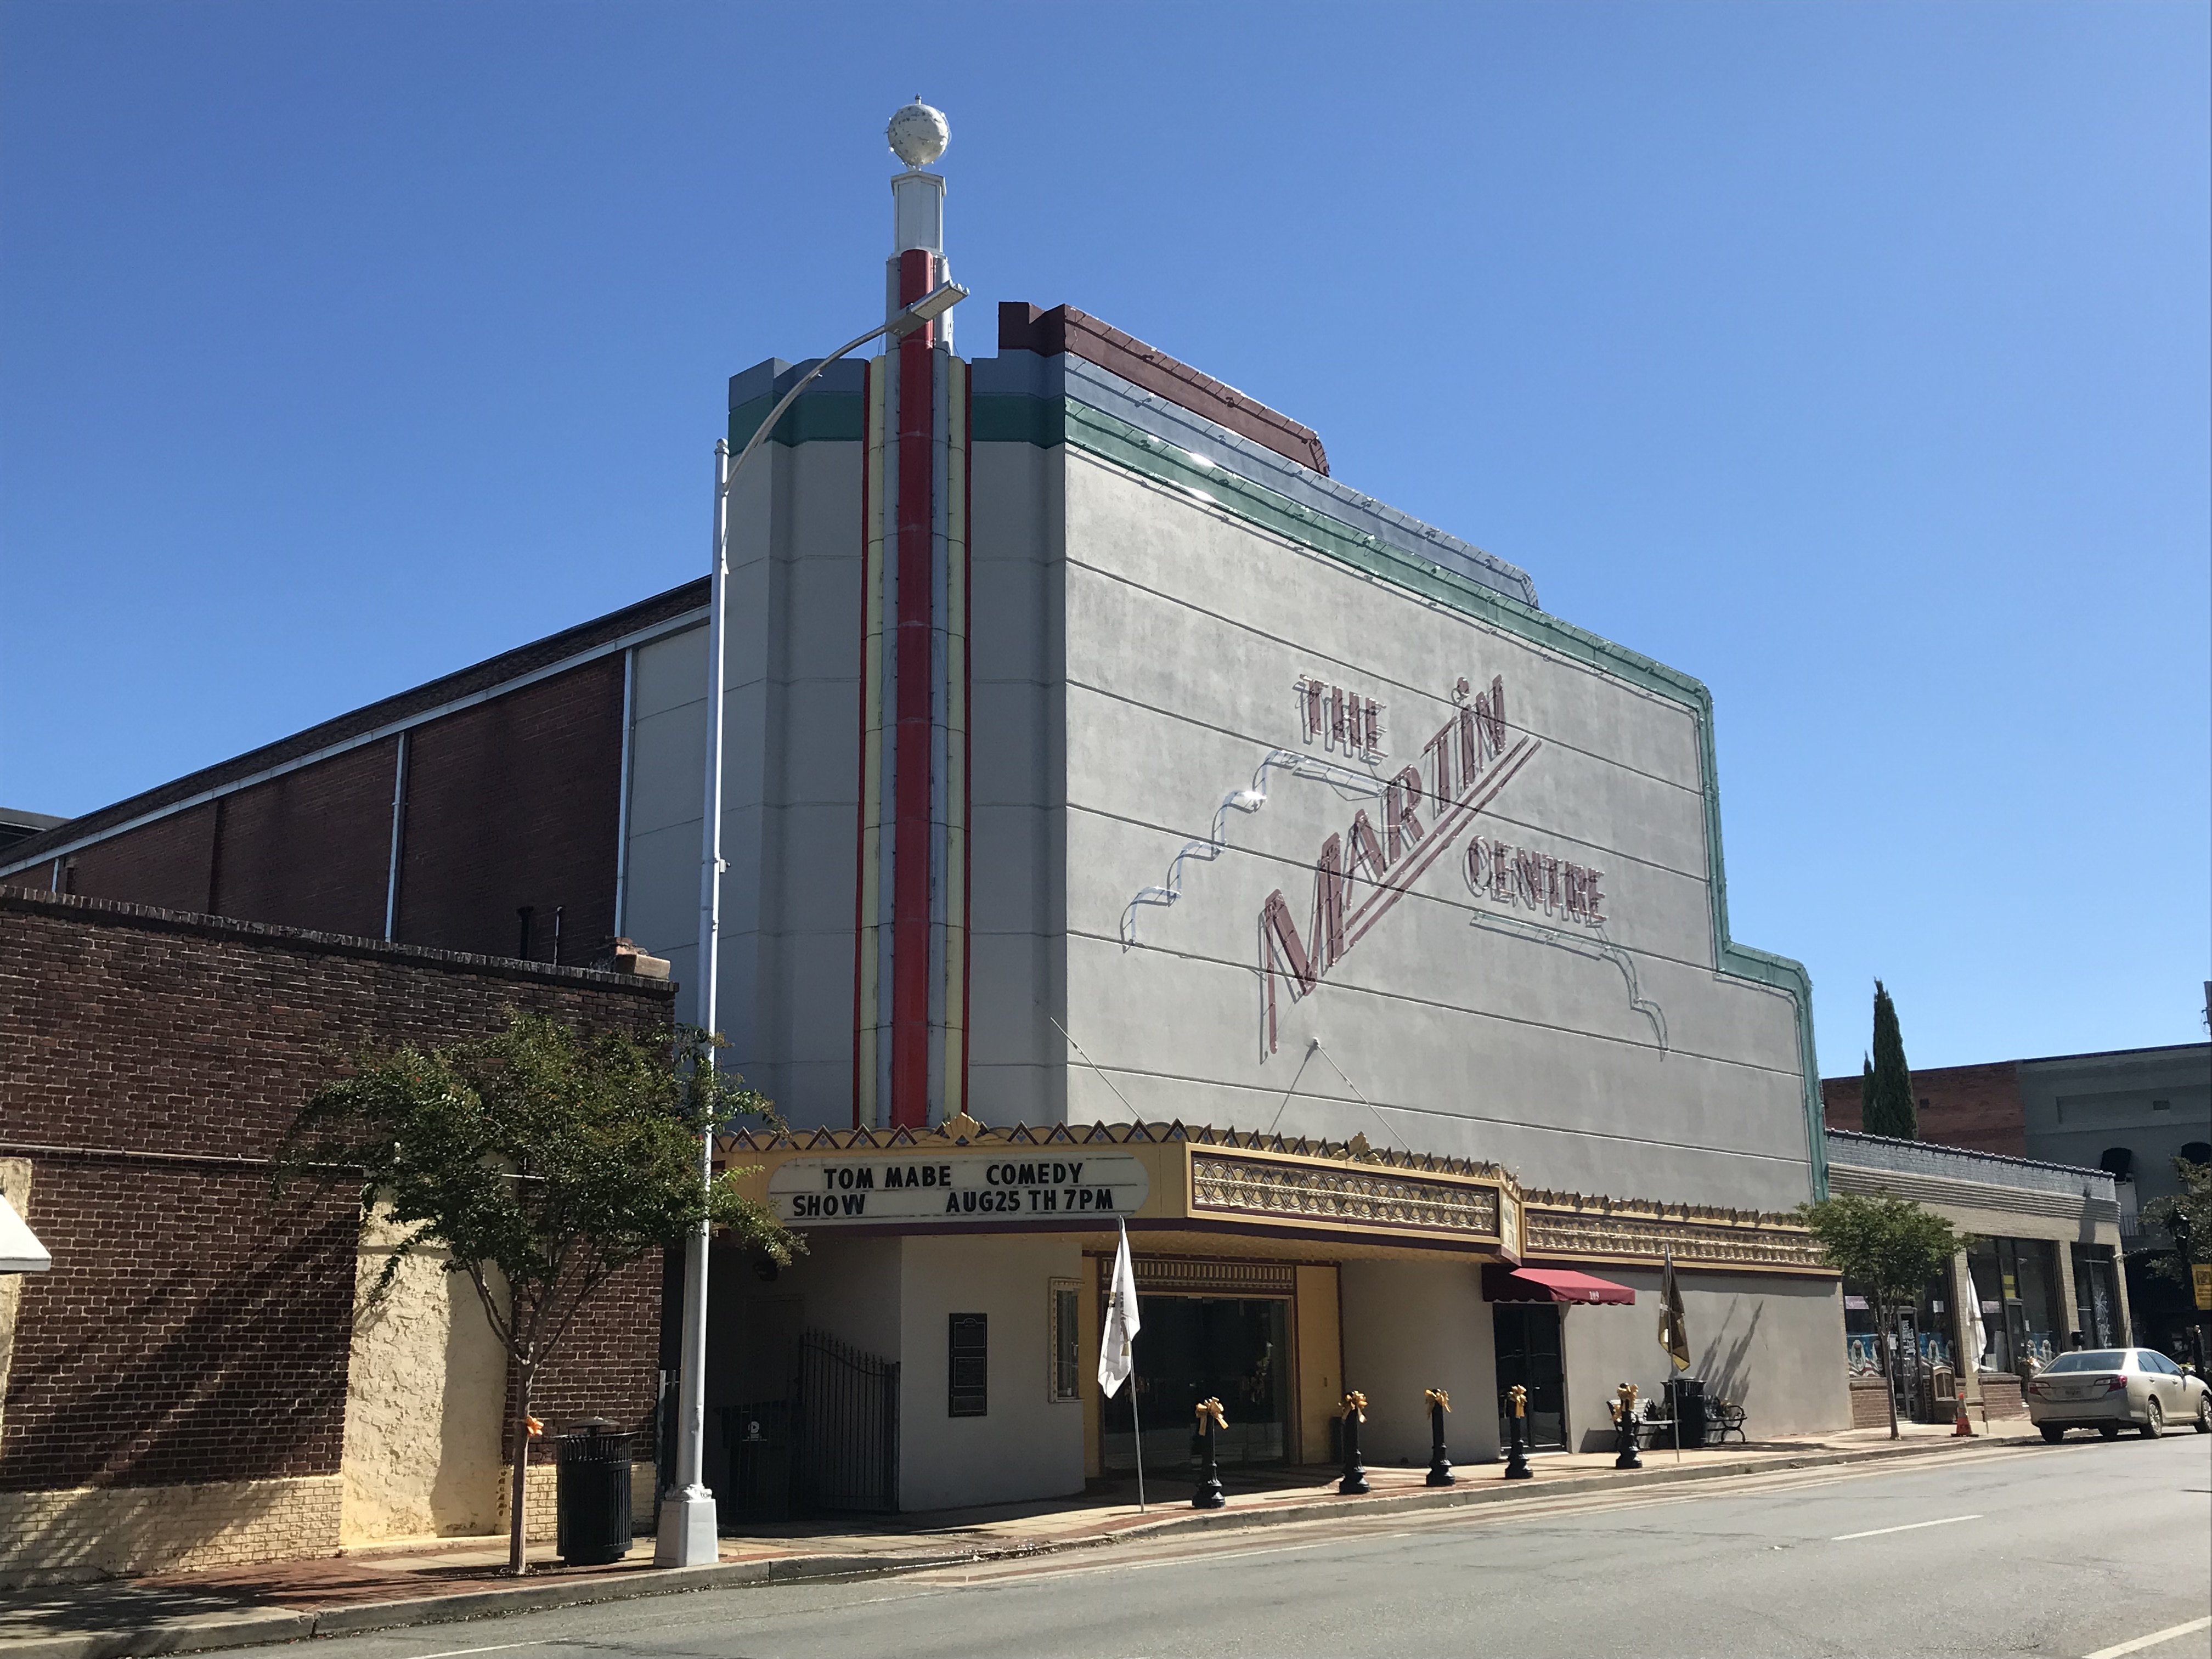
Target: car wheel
2204 1414
2053 1433
2110 1430
2155 1424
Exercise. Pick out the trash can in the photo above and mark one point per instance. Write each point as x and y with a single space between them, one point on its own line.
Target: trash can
591 1505
1686 1402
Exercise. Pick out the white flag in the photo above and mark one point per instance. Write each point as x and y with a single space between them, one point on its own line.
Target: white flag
1116 1357
1973 1335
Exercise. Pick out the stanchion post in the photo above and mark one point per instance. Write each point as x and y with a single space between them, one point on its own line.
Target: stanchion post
1440 1468
1517 1450
1209 1495
1623 1413
1355 1473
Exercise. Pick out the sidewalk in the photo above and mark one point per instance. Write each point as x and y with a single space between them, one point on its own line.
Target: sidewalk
436 1580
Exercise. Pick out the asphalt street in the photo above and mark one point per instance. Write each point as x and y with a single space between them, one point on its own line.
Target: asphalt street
2085 1549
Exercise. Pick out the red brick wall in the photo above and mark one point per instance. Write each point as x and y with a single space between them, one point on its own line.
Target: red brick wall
517 801
188 1330
311 848
1976 1107
513 802
609 1364
168 863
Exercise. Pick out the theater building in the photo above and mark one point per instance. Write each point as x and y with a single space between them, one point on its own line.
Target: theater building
1125 821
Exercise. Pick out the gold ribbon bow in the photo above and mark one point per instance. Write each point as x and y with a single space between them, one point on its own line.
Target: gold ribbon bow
1437 1397
1625 1406
1519 1396
1355 1406
1211 1409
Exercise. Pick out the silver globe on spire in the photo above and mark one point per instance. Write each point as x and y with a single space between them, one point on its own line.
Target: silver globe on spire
918 133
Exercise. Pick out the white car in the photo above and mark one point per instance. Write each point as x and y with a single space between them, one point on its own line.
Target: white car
2109 1390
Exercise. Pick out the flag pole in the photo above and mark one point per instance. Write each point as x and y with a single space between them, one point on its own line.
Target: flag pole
1677 1412
1136 1426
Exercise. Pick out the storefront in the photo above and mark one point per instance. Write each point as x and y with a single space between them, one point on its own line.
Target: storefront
963 1270
2038 1254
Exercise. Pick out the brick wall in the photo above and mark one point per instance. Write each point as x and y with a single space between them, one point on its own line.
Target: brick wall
513 802
168 863
190 1331
1976 1107
517 802
312 849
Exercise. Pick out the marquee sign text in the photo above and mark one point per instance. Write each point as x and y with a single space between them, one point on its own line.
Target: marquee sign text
817 1192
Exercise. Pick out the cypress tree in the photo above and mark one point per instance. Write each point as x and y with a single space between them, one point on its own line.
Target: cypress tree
1889 1109
1866 1094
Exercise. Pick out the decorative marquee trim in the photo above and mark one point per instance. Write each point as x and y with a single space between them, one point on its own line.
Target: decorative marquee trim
1269 1180
1568 1224
1358 1196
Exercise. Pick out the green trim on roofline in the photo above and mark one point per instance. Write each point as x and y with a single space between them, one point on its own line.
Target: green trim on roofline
829 417
1112 439
1014 417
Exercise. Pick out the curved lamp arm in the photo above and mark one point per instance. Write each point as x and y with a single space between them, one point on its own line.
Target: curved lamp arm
932 306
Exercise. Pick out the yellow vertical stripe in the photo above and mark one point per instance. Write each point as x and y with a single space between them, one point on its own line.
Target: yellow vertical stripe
871 751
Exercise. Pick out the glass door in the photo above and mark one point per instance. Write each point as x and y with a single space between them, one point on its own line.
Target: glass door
1528 1338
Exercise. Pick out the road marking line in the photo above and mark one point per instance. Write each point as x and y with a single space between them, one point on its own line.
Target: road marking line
1948 1520
496 1647
2149 1641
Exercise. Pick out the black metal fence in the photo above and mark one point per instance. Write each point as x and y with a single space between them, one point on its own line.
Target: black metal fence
846 1429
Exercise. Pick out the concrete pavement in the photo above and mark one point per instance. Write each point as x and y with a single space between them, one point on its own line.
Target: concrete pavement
2087 1549
425 1584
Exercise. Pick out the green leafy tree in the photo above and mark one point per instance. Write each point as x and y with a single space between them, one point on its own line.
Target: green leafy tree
1890 1249
2186 1217
542 1160
1889 1109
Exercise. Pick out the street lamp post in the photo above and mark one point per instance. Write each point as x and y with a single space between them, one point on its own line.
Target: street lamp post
685 1535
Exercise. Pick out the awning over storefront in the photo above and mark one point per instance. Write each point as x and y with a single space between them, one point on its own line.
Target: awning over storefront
20 1249
1504 1284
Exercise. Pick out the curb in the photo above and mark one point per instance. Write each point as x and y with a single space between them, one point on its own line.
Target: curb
258 1626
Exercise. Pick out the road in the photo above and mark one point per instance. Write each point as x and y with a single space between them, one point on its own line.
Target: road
2079 1550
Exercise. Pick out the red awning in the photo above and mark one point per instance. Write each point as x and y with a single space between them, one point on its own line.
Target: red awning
1501 1284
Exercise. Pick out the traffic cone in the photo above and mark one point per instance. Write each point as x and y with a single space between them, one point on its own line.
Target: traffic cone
1962 1430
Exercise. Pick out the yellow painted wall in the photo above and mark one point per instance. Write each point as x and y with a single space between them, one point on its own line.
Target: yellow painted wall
423 1398
1319 1341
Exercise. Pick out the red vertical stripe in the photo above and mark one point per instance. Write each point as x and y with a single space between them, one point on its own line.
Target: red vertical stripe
966 727
917 420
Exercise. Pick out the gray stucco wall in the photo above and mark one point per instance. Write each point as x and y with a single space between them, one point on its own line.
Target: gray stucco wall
1468 1031
1409 1327
2078 1106
1773 1345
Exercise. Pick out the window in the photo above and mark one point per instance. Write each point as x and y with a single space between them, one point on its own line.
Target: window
1066 1382
2161 1105
967 1354
2118 1163
2095 1359
2197 1152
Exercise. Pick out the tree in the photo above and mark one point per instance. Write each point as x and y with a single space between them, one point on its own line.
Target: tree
1866 1093
1889 1109
1890 1249
542 1160
2186 1217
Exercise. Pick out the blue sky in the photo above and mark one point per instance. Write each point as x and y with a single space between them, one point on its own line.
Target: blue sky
1852 358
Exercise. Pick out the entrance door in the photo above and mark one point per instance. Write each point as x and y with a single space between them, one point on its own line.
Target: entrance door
1194 1348
1528 1338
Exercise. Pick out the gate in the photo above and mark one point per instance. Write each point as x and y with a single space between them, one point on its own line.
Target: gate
848 1427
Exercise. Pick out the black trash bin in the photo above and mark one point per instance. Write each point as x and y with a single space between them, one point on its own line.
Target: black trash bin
1686 1396
592 1505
